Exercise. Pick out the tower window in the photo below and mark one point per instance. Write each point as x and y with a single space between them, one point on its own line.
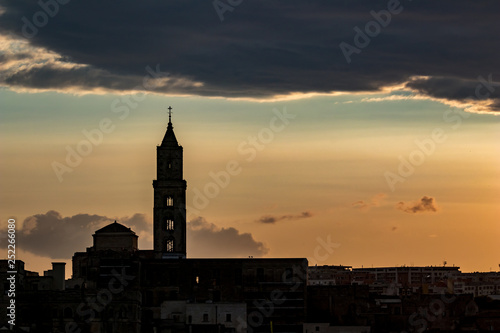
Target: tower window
169 164
170 245
169 224
169 201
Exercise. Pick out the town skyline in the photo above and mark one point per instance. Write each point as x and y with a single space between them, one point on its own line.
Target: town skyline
351 125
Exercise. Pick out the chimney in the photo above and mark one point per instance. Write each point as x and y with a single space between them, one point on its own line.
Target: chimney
59 274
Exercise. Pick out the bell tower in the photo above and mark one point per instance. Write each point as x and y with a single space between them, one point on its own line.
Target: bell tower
169 212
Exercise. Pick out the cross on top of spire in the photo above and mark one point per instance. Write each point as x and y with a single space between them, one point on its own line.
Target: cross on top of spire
169 138
169 114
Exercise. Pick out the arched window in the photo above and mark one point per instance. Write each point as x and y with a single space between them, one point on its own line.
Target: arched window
169 201
169 224
169 245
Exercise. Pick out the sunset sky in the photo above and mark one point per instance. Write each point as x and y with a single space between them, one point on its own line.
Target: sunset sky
372 127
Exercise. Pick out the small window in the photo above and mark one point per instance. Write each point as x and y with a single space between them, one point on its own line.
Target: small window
169 164
170 245
228 317
205 317
317 328
169 224
197 279
169 201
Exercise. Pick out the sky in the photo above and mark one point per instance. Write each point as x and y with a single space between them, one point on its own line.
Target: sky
350 133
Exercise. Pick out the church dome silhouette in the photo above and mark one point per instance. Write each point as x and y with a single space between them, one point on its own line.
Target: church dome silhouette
114 227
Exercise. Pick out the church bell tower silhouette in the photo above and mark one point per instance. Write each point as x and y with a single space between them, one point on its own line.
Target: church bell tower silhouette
169 212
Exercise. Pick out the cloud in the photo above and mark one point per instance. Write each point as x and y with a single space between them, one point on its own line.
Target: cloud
262 48
480 95
274 219
138 223
375 201
58 237
52 235
205 239
426 204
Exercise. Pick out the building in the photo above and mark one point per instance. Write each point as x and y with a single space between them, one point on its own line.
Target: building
169 212
116 287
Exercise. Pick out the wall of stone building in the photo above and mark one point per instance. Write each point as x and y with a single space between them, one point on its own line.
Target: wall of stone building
230 315
173 311
96 268
115 241
279 284
39 283
339 305
97 312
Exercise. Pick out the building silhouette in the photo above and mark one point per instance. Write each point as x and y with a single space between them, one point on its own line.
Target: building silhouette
118 288
169 215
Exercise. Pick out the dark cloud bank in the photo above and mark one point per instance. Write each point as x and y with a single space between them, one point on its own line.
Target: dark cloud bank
52 235
265 48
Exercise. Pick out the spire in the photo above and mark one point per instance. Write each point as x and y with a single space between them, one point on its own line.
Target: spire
169 139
